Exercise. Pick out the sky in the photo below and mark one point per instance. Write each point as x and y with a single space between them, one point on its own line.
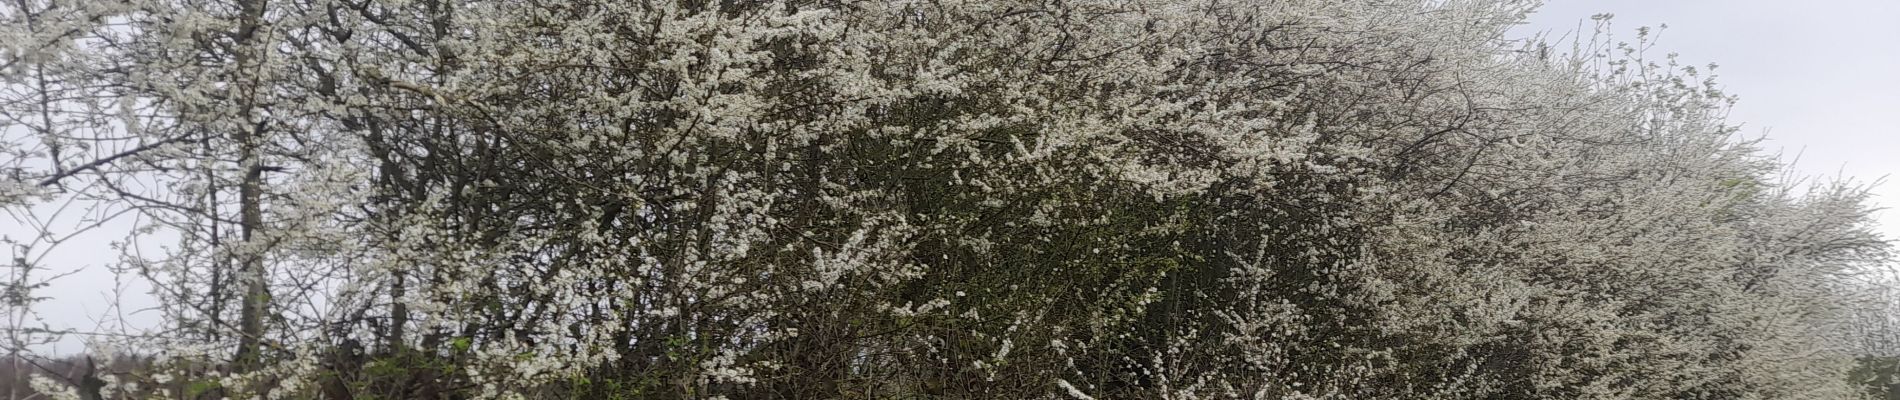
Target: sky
1820 79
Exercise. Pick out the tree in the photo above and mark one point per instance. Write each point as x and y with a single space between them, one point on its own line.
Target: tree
951 199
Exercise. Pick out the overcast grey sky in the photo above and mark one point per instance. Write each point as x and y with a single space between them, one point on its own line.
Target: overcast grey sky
1820 77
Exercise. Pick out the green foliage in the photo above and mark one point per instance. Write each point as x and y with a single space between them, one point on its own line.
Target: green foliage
1877 375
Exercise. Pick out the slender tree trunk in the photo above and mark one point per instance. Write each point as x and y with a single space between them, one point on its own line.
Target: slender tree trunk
256 299
398 313
256 295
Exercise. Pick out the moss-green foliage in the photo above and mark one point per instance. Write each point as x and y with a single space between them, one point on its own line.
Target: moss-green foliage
1879 375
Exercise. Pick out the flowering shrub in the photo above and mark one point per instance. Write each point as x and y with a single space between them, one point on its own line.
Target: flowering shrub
1167 199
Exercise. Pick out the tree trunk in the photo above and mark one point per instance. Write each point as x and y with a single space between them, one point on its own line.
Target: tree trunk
251 271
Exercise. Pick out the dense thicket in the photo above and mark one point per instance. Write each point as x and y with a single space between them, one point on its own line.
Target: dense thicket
1298 199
